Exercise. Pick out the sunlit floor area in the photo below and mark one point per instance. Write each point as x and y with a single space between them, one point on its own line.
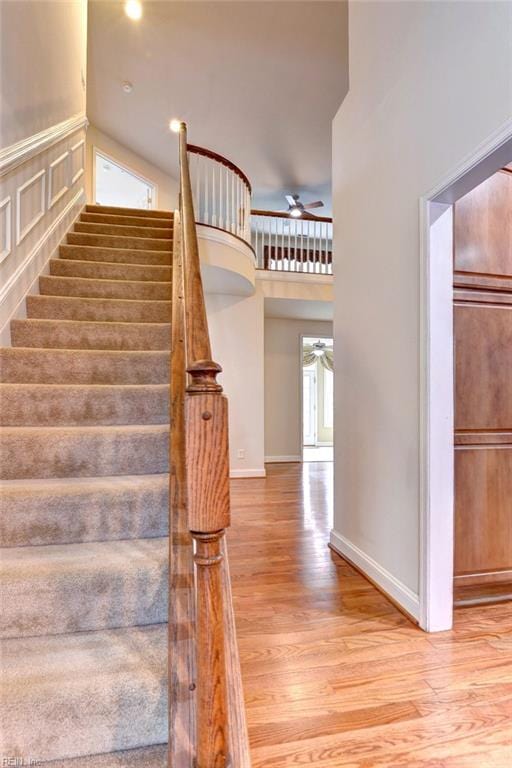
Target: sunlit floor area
334 675
317 453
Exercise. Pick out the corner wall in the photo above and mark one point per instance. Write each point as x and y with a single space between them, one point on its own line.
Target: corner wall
429 83
236 331
283 382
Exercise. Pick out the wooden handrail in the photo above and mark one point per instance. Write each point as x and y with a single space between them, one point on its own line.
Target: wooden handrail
195 150
206 457
304 217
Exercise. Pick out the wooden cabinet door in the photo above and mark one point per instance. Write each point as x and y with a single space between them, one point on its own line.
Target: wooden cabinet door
483 389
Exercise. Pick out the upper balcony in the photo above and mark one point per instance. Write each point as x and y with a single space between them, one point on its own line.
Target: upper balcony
238 245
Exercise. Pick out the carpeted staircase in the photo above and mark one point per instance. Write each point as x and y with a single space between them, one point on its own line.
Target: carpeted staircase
84 409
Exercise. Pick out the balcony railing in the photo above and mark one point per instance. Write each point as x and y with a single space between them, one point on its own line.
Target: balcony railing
287 244
221 192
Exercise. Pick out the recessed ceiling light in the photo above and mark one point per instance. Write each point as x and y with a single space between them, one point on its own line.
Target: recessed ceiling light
175 125
133 9
127 86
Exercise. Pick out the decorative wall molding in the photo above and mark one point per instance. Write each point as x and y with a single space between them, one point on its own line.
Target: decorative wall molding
5 228
77 166
22 229
24 279
53 173
398 593
19 153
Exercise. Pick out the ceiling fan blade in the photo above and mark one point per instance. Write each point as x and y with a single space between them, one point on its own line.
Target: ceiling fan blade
290 200
317 204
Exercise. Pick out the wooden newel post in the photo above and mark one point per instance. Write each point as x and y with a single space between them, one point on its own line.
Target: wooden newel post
207 457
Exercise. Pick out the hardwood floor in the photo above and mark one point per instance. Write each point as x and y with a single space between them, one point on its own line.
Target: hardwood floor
334 675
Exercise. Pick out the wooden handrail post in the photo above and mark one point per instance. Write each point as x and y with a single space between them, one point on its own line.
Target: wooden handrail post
209 515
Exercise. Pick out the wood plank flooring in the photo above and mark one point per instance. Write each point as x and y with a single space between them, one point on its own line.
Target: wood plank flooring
335 676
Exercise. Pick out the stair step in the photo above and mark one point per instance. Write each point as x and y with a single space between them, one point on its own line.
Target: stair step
103 270
85 693
125 230
81 587
53 511
83 366
144 757
131 221
83 404
86 252
98 310
120 211
76 334
118 241
142 290
38 452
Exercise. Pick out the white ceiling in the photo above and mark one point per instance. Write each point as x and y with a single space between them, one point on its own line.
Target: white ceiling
258 82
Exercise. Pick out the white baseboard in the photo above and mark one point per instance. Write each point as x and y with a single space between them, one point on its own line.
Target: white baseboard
245 473
25 277
281 459
385 580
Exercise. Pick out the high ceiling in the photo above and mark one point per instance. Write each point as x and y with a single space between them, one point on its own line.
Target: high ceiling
258 82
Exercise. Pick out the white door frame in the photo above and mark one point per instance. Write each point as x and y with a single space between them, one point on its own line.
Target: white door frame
437 375
98 151
303 336
311 373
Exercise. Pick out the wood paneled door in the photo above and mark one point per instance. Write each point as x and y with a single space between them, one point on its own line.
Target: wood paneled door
483 390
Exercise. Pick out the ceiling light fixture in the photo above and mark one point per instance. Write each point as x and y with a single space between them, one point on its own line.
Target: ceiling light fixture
133 9
127 87
295 212
175 125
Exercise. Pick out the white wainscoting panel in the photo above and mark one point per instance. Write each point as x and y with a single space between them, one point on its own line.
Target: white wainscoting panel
30 205
77 160
41 193
58 178
5 228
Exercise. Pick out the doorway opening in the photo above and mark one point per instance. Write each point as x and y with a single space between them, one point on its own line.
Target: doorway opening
115 184
464 450
317 398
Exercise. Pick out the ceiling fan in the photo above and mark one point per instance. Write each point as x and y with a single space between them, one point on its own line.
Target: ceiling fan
296 208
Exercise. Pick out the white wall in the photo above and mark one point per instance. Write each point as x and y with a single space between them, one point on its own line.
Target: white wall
44 49
429 83
167 186
283 371
42 153
236 332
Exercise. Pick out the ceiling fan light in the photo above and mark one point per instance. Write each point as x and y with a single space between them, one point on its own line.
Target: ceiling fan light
295 212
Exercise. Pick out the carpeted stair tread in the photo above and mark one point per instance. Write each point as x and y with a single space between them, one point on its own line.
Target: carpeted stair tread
83 366
125 230
118 241
123 211
141 290
76 334
98 310
85 252
39 452
131 221
105 270
83 404
37 512
84 693
144 757
81 587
